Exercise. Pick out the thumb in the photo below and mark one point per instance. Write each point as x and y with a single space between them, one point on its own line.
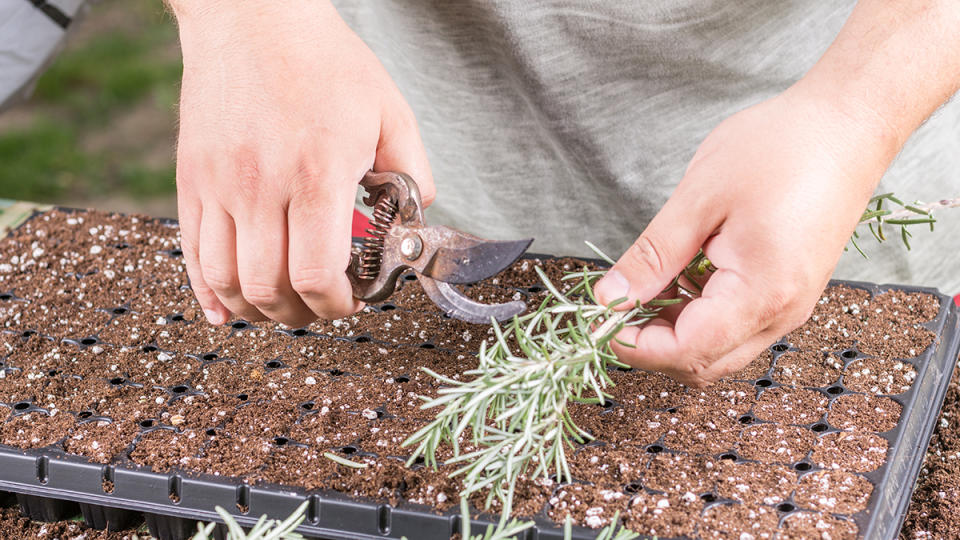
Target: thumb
665 247
400 149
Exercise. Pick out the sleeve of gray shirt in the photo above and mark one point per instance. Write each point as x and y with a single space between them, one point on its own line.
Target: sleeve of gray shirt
31 33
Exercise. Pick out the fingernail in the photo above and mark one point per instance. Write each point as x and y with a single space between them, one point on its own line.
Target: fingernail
611 287
214 317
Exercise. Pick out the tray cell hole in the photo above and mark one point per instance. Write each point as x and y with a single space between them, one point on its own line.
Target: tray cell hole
107 483
336 372
786 507
209 357
6 296
626 369
819 427
239 325
410 277
117 381
672 410
361 339
708 497
280 441
121 245
53 372
746 419
388 307
729 456
146 424
535 289
427 345
779 347
802 466
119 310
29 333
177 318
243 499
211 432
180 389
176 253
654 449
402 379
22 406
308 406
633 487
348 450
383 518
835 390
764 383
274 364
849 354
421 461
43 469
83 415
149 348
299 332
243 397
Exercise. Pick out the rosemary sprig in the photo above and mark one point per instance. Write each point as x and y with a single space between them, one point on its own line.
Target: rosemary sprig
879 213
514 406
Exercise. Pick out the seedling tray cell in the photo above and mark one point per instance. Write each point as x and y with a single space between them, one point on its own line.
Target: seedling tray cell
174 430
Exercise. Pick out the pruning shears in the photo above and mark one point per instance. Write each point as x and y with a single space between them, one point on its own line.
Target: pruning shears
441 257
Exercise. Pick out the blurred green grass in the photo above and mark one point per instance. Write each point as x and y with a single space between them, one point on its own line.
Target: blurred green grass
101 121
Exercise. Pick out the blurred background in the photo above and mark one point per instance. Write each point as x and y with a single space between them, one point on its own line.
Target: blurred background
99 130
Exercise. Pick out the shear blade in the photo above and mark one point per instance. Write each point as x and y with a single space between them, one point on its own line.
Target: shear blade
458 306
471 263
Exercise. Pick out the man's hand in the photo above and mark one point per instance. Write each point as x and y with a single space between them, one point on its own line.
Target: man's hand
771 196
775 191
283 109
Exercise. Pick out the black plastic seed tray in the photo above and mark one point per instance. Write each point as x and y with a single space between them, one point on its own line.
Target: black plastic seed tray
51 485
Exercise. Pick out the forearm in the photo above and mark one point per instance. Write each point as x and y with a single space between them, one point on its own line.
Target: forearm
891 66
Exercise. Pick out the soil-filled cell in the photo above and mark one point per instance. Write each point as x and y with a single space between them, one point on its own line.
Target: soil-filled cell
836 492
850 450
775 443
807 368
806 525
739 521
879 376
755 483
864 413
594 506
791 405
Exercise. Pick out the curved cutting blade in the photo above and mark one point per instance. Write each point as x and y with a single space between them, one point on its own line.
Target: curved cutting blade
458 306
464 258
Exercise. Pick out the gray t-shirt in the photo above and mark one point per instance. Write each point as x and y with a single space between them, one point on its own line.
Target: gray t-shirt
574 120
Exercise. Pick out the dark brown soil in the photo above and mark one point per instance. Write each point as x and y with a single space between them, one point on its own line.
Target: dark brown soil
806 525
106 355
865 413
835 492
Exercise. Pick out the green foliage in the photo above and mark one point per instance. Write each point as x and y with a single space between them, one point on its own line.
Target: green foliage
101 120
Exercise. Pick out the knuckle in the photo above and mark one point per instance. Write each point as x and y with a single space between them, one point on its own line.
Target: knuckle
262 295
646 253
219 278
312 281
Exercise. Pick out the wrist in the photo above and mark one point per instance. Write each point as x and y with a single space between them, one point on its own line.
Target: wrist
222 24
